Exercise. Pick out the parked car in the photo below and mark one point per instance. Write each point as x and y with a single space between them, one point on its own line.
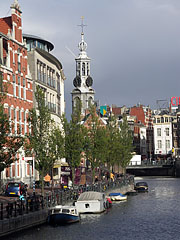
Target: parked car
16 189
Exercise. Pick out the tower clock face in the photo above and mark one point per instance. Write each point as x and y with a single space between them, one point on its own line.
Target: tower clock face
89 81
77 81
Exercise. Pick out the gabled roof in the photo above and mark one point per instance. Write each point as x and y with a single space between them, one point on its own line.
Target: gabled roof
5 24
87 116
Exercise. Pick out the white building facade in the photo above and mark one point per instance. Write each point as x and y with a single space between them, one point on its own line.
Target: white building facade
163 135
47 73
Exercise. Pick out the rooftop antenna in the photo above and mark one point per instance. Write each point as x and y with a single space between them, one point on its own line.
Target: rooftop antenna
162 104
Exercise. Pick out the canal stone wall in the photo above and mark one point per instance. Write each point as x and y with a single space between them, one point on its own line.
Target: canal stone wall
14 224
153 170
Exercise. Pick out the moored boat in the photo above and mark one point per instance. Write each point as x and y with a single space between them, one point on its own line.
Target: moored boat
91 202
63 215
117 197
141 187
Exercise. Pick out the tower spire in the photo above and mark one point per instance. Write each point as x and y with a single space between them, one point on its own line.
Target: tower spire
82 25
82 45
83 82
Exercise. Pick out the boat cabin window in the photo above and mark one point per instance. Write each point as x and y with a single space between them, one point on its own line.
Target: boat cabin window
86 205
65 210
56 210
72 211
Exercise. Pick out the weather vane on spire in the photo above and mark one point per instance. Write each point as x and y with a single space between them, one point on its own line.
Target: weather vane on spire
82 24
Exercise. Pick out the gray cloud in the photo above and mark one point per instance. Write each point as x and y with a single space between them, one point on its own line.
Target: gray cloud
134 44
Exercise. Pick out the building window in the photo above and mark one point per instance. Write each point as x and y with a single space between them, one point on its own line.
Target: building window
39 72
159 143
87 69
83 69
166 119
58 84
1 81
44 74
158 120
167 131
14 85
20 123
78 69
10 118
167 144
158 132
24 88
15 121
19 61
162 119
25 127
49 79
19 87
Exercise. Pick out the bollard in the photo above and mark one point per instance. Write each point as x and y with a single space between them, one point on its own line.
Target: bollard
21 207
1 211
42 202
7 209
27 209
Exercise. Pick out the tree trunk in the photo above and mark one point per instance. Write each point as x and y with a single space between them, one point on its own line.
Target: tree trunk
93 175
42 182
73 174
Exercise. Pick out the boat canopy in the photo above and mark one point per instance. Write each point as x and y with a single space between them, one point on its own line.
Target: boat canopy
88 196
116 194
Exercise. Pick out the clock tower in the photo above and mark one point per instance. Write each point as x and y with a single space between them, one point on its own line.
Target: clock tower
83 82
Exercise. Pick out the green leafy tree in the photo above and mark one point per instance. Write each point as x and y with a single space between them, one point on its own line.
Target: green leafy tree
43 141
126 144
95 141
56 146
9 143
74 139
113 142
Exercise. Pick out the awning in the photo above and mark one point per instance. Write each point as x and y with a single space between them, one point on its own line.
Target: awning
57 166
63 164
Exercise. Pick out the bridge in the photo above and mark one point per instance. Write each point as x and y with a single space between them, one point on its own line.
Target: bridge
153 169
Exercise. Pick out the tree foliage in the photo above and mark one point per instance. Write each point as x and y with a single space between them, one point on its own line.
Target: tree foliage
95 140
45 142
74 139
126 144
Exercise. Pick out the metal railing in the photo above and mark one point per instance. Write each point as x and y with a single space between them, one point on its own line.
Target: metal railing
9 209
153 163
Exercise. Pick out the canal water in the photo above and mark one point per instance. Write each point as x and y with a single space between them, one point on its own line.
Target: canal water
148 216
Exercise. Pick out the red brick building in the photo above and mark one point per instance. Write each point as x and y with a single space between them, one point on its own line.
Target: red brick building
14 69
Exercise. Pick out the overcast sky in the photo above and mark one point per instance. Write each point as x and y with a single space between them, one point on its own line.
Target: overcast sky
134 45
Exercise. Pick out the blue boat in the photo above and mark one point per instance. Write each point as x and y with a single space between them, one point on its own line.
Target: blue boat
117 197
63 215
